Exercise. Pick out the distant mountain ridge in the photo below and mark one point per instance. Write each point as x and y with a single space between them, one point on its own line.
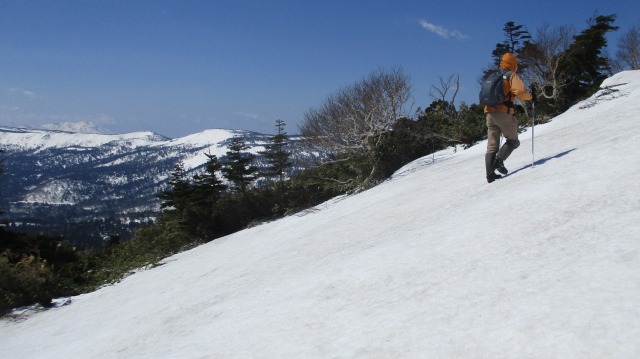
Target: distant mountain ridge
55 176
77 127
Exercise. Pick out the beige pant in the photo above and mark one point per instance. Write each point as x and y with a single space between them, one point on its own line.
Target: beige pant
501 122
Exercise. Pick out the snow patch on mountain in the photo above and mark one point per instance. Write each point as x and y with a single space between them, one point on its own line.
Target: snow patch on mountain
55 192
76 127
16 139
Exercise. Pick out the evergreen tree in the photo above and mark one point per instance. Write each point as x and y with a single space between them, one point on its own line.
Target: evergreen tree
585 66
207 190
177 197
516 38
276 154
1 172
237 168
208 187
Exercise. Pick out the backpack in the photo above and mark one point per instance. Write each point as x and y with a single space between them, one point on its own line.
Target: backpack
491 93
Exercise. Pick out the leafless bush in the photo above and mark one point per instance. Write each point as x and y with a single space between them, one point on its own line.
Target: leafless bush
629 49
354 118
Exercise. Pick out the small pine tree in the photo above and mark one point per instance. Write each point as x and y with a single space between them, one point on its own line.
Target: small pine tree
237 168
516 38
208 187
276 155
207 191
1 172
177 197
585 66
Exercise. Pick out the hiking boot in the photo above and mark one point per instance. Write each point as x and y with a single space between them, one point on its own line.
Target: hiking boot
492 177
499 165
489 159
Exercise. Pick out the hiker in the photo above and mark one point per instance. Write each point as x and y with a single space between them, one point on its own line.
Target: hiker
500 120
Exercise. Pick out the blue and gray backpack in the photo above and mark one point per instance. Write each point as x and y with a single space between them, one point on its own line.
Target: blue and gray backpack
491 93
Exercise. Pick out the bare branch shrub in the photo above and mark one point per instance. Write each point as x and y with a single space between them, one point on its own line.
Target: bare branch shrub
629 49
354 121
545 58
354 118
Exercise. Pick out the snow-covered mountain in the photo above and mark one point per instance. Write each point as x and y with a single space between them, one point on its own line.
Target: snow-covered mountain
54 177
76 127
434 263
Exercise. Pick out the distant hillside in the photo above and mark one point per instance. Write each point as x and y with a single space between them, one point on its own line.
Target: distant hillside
77 127
87 186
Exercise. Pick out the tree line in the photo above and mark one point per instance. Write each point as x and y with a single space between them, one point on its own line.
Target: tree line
366 128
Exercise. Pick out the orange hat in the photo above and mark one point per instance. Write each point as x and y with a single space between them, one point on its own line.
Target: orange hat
509 61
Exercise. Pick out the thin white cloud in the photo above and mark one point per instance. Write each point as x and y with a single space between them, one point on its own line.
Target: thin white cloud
25 93
16 117
443 32
251 116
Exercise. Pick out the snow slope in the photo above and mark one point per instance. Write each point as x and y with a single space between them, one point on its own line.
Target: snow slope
435 263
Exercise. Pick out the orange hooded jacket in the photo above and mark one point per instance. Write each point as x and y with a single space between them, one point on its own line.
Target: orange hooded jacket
514 87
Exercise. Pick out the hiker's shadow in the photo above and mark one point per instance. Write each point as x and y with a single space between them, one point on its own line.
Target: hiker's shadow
544 160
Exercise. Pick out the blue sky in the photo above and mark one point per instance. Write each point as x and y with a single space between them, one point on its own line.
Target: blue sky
180 67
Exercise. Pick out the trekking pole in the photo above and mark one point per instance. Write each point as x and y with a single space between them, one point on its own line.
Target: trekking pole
533 124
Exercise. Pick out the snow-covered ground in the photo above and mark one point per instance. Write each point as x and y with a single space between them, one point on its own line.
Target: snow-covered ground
435 263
